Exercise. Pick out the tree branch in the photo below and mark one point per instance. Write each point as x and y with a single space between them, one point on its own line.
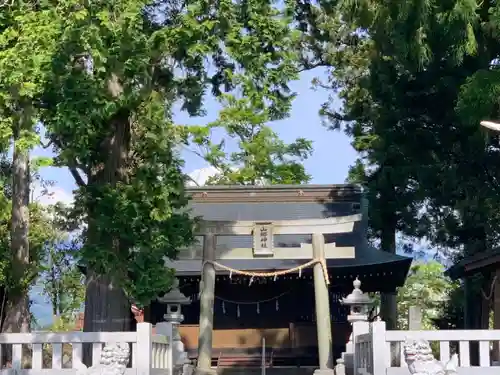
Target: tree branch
76 175
46 145
73 167
310 66
192 180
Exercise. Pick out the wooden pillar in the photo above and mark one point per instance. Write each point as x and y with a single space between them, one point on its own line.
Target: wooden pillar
204 363
389 309
472 314
496 313
467 312
322 302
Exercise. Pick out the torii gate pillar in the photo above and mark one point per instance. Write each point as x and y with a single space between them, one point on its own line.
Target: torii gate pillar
322 302
207 288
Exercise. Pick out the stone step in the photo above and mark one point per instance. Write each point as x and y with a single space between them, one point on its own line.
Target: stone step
269 371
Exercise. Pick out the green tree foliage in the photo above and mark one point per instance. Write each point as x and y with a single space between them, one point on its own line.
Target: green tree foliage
41 233
26 39
451 313
412 76
343 38
62 281
454 162
427 288
119 69
439 298
415 84
260 156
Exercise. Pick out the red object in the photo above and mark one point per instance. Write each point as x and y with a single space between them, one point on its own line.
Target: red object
79 322
138 313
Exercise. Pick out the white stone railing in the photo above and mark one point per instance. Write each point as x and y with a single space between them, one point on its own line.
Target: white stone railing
61 353
363 355
162 351
372 350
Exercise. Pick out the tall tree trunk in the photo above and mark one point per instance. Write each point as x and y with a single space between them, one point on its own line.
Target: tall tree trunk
107 308
15 306
475 241
388 304
17 315
106 305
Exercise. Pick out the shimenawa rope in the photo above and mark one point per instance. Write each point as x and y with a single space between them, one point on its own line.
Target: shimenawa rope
275 274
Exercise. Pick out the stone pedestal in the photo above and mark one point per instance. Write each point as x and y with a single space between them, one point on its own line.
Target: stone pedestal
359 304
414 318
324 371
204 371
174 301
175 317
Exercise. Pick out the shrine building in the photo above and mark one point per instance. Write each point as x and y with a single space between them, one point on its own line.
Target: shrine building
308 241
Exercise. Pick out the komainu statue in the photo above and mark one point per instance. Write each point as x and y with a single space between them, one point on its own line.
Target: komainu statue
114 360
418 355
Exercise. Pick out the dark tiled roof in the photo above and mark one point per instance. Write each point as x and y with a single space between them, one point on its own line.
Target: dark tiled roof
391 268
240 209
483 260
276 193
270 211
371 257
333 187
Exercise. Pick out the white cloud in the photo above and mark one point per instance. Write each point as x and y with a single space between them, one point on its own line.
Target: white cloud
51 195
200 177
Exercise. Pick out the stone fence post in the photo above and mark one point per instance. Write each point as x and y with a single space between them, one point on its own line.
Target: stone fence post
144 359
379 348
414 318
340 367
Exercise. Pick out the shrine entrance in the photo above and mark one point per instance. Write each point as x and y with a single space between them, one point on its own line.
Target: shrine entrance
263 247
281 311
274 263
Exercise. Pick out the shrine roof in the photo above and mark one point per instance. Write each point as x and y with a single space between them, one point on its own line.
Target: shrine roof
370 261
277 202
475 263
275 193
290 202
373 257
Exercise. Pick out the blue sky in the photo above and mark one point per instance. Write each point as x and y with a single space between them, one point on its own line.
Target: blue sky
329 163
332 151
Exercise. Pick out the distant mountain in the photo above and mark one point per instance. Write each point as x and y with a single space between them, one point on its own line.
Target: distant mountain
200 177
39 307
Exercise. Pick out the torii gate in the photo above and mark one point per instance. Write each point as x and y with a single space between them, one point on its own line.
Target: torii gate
263 233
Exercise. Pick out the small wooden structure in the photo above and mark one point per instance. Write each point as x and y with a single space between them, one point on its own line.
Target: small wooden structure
477 305
488 265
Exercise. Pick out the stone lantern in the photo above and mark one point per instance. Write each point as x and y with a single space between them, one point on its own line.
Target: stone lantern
174 301
358 302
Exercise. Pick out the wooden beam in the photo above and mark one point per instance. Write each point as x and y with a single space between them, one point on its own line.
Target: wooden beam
305 251
321 194
343 224
478 265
